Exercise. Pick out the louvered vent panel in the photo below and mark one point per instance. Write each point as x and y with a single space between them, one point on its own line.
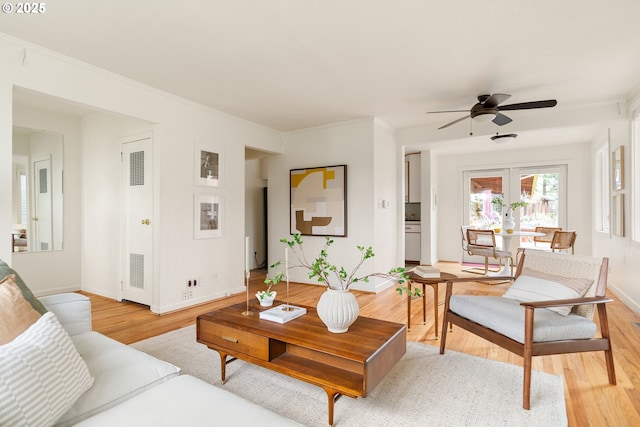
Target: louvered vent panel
43 181
136 271
136 168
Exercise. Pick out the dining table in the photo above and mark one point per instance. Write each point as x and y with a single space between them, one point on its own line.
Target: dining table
507 237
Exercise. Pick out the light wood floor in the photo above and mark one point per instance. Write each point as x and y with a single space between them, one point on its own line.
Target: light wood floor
590 400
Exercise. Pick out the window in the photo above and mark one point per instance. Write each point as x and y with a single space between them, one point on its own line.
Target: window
635 184
602 195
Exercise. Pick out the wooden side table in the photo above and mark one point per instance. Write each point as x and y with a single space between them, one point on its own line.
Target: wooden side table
433 282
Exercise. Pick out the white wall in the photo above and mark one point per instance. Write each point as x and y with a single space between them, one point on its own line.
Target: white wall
449 178
218 263
623 254
368 181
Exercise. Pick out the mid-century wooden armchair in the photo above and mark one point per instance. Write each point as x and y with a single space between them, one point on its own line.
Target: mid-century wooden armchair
548 310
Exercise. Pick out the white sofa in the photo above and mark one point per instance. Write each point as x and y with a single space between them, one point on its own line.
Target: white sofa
131 388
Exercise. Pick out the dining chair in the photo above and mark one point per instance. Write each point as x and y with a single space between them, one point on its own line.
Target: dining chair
483 243
563 240
548 310
546 239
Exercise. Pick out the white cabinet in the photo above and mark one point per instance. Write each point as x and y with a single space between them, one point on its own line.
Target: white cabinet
412 190
412 241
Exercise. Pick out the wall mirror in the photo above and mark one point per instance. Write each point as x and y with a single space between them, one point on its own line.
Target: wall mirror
37 192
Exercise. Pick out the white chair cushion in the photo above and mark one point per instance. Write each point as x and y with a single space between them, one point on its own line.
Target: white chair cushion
187 401
41 375
506 316
534 285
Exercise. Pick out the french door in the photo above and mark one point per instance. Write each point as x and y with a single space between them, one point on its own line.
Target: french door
480 188
542 188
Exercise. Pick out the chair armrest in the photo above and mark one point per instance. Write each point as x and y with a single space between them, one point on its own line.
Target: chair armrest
72 310
566 302
477 279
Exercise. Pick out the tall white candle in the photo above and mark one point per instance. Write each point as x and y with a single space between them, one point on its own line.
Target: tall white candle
286 260
246 254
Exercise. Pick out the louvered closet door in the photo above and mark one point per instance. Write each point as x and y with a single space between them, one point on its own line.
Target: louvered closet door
137 186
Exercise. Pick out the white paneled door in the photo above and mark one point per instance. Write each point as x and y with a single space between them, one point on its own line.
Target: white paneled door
137 221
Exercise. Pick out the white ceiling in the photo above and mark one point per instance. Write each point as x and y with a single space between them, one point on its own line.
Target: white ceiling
292 64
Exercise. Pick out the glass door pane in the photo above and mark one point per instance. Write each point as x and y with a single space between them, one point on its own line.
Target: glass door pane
543 190
480 187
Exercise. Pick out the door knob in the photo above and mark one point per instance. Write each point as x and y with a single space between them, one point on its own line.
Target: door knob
146 221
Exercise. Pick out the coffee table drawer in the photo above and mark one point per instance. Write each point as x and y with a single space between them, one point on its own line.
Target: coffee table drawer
234 340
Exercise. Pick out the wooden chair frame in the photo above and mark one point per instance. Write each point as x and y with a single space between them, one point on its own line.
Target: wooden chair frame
531 348
563 240
470 242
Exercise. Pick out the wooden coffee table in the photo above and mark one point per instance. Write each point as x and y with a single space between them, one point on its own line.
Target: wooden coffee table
349 364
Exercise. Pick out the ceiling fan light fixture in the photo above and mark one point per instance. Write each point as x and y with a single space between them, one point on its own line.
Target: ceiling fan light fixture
504 138
484 117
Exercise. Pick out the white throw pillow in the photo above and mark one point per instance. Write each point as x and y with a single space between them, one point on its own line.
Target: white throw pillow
533 285
41 375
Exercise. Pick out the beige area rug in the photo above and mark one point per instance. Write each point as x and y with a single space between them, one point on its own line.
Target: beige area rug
423 389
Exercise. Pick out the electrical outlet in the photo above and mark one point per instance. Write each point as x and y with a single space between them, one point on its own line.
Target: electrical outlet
190 293
185 294
189 283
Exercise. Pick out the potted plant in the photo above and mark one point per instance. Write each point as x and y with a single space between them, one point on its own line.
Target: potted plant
266 297
337 280
508 222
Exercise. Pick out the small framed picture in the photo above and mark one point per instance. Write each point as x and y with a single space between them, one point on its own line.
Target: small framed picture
207 216
209 166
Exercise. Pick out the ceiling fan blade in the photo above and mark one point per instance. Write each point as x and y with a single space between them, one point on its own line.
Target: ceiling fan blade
447 111
454 122
529 105
495 99
501 120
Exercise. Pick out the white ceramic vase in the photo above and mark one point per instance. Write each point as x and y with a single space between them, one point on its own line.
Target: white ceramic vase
507 222
267 301
338 309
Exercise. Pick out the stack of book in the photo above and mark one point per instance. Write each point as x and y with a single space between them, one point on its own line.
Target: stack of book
282 313
427 272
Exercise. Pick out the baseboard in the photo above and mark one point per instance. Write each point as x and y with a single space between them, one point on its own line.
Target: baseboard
626 299
62 290
375 285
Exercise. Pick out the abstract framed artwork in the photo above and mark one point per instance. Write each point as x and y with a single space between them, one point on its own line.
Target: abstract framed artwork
617 168
318 201
209 166
207 216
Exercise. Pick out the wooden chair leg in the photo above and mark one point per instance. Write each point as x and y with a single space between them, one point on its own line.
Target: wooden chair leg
608 354
528 355
443 339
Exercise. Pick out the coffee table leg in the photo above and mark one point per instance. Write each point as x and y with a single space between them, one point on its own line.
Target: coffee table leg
332 396
223 366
